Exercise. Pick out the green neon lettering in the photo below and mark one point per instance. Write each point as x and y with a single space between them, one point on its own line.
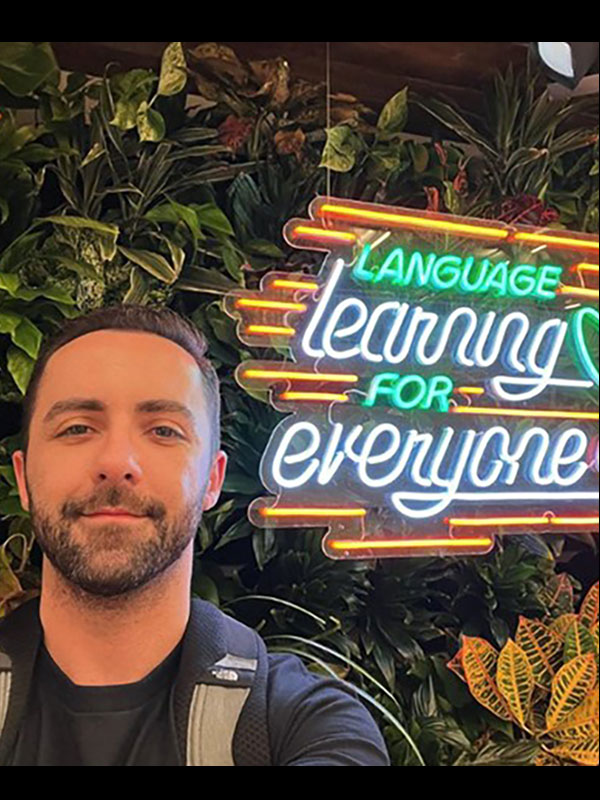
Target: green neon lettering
439 389
465 284
422 267
587 365
522 280
377 389
400 399
497 279
449 266
392 268
360 271
548 282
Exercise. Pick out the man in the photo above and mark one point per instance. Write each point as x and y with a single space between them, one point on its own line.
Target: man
121 457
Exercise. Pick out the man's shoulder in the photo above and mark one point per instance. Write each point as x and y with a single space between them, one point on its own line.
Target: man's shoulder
314 718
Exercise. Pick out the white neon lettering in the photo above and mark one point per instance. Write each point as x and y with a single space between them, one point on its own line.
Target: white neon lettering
463 464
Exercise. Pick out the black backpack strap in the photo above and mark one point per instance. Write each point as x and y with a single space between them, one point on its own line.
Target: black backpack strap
220 696
20 637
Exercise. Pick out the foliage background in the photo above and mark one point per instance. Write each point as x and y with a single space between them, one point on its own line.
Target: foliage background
125 189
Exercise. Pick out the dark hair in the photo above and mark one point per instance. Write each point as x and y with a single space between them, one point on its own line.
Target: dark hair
131 317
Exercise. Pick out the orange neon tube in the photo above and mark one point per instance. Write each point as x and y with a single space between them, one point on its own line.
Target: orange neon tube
585 267
275 330
273 305
321 233
469 390
575 520
580 291
283 284
267 374
517 412
313 512
557 241
364 215
483 522
340 544
315 396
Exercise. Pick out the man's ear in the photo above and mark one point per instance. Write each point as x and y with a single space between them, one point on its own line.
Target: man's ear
216 480
18 460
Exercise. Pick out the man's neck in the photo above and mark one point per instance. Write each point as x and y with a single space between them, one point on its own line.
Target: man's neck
108 641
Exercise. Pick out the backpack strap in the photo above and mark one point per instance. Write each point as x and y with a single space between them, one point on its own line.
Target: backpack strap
20 637
227 721
219 702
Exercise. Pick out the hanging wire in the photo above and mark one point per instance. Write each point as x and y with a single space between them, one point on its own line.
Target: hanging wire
328 105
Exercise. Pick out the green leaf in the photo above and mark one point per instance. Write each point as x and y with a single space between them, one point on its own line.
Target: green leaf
107 233
25 66
232 260
211 281
20 366
262 247
138 287
341 149
210 216
28 337
150 124
420 157
131 90
93 153
173 75
395 112
155 264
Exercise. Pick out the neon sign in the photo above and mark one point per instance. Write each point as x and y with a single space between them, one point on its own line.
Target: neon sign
441 384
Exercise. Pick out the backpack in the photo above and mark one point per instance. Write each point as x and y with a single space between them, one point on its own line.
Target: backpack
219 698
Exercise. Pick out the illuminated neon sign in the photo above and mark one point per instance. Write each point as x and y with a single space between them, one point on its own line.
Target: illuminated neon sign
441 383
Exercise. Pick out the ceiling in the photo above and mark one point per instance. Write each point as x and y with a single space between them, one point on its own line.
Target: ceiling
372 71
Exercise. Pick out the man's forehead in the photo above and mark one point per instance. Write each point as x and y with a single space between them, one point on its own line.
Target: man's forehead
132 368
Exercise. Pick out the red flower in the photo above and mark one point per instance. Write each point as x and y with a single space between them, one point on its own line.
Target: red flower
235 131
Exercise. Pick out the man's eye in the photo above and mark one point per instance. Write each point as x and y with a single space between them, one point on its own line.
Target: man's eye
157 428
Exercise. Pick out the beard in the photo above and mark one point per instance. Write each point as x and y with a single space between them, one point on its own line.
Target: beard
111 559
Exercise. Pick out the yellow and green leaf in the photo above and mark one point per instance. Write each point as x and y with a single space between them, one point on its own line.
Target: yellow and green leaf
561 625
581 723
515 681
583 751
578 642
572 683
543 649
480 661
588 613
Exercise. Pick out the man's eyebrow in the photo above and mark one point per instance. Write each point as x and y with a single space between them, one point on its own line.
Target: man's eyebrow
143 407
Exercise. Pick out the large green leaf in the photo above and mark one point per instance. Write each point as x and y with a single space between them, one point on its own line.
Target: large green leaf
173 75
394 114
25 66
155 264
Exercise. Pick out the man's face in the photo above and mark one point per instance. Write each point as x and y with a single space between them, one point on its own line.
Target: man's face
156 464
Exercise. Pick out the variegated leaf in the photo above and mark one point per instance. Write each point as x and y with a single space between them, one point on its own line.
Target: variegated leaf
578 642
514 678
546 760
583 751
588 613
570 686
561 625
558 594
456 666
480 661
581 723
543 649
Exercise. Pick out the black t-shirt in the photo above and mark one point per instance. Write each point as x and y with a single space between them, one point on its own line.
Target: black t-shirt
313 720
